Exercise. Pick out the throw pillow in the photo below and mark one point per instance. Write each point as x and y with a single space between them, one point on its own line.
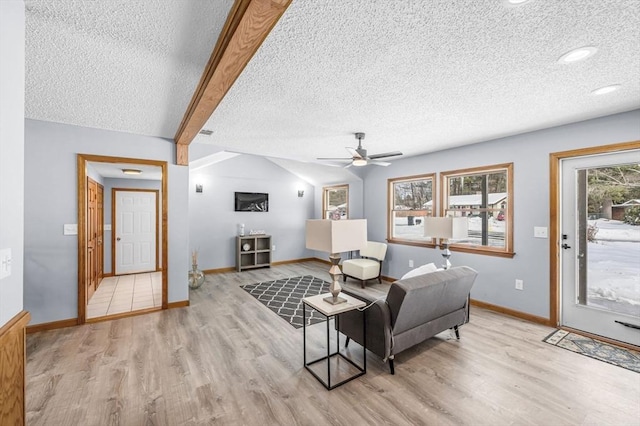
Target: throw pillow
424 269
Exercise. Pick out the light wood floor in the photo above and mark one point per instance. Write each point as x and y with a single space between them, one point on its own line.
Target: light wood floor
229 360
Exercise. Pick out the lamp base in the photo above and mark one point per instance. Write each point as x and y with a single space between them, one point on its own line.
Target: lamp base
446 254
334 300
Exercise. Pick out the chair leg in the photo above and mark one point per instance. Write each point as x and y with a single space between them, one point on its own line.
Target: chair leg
455 328
391 366
346 343
344 278
362 283
380 279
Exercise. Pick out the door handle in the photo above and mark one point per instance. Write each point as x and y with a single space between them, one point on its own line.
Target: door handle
118 239
564 246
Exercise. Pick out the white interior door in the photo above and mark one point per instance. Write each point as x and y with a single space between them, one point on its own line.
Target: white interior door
135 232
600 254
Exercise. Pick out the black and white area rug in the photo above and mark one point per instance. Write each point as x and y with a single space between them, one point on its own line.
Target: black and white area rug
284 297
625 358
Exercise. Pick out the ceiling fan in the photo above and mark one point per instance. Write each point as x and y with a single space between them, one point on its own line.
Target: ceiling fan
359 155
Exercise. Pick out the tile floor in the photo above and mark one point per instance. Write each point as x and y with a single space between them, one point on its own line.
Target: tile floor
126 293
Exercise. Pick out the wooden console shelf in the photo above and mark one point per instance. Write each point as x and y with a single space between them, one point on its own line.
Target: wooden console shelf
257 254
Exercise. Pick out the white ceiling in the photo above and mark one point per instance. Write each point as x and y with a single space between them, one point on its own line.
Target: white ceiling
416 76
115 170
126 65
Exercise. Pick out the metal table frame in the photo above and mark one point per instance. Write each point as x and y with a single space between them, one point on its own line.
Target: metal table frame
361 369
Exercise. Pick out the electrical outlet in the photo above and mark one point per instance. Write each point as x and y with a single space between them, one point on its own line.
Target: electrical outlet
519 285
273 247
410 263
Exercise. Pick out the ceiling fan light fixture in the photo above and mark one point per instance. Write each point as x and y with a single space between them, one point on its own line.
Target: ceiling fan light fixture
359 162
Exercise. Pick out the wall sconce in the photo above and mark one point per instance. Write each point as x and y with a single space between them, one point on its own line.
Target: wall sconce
300 193
198 187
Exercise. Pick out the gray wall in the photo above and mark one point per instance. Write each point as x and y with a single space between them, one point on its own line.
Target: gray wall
51 261
12 153
109 184
213 223
530 154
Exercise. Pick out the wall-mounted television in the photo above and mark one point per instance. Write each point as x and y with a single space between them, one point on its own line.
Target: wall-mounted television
251 202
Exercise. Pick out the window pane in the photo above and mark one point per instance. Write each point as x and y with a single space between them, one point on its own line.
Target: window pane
412 202
482 197
336 202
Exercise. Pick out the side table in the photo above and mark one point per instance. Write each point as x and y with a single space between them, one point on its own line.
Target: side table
329 310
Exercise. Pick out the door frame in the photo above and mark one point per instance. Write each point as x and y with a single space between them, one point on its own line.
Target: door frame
555 219
114 224
82 160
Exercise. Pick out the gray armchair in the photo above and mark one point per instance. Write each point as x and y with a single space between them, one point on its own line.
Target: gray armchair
415 310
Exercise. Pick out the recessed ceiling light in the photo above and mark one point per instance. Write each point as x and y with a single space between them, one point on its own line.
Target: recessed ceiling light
131 171
516 2
578 54
606 89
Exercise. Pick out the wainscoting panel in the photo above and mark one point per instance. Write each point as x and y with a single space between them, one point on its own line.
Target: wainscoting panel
12 370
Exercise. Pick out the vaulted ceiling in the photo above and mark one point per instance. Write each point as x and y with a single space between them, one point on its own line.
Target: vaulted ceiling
415 76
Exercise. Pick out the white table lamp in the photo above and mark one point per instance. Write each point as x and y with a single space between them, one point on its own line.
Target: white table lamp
335 237
446 228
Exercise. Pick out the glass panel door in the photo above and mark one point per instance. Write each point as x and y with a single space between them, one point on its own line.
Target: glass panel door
600 243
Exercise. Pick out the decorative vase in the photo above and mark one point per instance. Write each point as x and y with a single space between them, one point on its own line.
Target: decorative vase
196 277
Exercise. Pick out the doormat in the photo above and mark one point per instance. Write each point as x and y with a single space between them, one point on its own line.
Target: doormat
284 297
625 358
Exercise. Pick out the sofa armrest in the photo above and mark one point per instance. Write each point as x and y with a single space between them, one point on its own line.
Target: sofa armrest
379 340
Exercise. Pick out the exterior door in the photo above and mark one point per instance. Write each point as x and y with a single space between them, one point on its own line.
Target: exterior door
600 254
92 237
135 228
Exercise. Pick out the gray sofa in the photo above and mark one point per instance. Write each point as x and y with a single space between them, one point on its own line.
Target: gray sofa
415 310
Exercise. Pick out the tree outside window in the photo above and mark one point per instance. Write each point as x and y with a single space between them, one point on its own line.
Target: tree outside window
335 202
410 200
484 196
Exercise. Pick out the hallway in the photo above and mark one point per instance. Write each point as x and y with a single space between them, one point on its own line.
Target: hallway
126 293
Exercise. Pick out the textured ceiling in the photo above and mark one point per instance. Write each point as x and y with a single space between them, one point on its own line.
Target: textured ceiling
416 76
422 76
114 170
127 65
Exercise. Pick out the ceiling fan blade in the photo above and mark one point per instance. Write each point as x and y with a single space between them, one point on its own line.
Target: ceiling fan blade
379 163
333 159
354 153
386 154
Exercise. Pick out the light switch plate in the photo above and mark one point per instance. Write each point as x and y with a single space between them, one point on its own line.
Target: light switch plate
540 231
70 229
107 227
5 263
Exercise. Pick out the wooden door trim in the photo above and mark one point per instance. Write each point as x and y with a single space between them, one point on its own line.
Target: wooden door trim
554 215
100 212
90 182
114 222
81 161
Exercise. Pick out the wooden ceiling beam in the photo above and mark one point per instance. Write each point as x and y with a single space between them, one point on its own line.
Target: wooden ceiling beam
248 24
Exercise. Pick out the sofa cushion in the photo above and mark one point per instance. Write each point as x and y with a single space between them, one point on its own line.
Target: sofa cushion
424 269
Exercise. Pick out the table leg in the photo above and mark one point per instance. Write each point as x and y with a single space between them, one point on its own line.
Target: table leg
328 356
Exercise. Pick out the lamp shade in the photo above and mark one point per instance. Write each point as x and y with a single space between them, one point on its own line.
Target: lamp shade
453 228
336 236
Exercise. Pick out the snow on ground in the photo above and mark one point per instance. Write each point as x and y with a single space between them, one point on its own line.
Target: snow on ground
613 264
